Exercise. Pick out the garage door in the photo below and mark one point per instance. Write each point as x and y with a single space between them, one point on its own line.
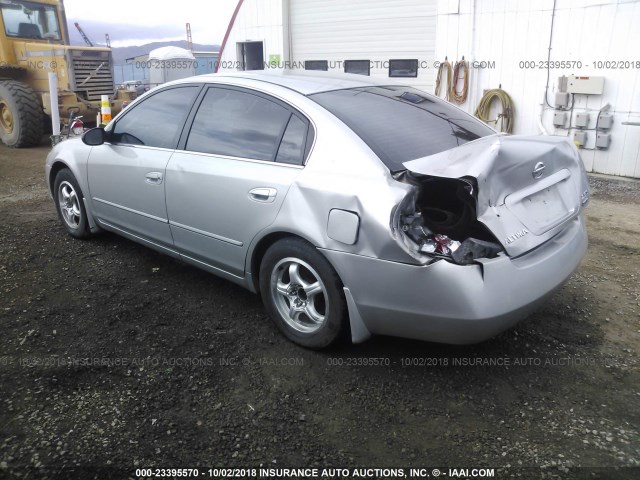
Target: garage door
326 33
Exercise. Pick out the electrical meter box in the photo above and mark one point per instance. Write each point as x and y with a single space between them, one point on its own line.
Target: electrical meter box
580 139
582 120
605 121
559 118
603 140
586 85
562 99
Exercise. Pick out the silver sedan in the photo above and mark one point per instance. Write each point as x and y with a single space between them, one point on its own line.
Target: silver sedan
353 207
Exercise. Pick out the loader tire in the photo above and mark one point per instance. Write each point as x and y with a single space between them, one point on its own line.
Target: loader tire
21 115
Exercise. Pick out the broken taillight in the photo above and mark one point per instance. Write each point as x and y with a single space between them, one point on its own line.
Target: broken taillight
442 224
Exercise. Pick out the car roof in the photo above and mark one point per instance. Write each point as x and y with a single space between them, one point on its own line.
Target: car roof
304 82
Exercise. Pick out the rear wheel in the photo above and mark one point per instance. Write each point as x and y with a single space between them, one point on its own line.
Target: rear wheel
21 116
303 294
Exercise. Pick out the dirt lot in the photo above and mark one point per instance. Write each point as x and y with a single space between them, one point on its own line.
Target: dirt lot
114 357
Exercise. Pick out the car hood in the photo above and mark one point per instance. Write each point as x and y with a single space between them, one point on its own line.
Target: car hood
528 187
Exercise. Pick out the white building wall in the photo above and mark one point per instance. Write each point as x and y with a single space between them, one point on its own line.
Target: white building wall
257 21
510 31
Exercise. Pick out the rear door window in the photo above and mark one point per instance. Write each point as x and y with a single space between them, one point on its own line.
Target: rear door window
238 124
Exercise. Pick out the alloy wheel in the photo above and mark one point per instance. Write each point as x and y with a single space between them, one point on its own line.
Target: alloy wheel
299 295
69 205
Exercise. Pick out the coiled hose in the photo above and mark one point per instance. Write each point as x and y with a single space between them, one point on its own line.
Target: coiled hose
505 117
459 67
444 66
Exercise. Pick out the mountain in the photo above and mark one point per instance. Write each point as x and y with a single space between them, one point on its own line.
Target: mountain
120 54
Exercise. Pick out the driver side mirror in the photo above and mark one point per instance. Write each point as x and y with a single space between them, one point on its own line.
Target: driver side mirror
94 137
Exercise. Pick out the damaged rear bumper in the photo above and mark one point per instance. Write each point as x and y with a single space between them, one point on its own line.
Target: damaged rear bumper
455 304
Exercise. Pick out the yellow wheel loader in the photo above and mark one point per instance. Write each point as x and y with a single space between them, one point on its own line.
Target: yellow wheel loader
33 42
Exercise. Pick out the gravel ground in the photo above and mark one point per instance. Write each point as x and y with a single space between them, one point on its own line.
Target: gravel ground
114 357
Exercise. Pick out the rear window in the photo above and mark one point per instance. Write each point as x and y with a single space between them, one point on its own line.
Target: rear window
402 123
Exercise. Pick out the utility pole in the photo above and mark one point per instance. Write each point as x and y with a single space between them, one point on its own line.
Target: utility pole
189 39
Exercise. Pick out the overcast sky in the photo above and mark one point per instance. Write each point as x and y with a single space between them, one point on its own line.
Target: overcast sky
136 22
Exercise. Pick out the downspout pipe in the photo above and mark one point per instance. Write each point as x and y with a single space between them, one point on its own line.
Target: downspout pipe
228 33
286 32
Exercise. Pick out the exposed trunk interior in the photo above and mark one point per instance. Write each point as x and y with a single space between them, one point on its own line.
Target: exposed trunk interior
448 206
440 221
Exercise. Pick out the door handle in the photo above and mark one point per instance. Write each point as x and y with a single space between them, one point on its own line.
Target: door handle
263 194
154 178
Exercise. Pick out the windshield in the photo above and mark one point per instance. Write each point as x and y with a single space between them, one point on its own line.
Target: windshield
30 20
402 123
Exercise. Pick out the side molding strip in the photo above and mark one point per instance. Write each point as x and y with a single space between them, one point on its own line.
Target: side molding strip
131 210
237 243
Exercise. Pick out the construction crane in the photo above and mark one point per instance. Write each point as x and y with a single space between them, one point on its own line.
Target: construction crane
189 39
84 35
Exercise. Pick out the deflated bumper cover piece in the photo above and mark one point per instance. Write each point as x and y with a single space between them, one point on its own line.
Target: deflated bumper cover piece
456 304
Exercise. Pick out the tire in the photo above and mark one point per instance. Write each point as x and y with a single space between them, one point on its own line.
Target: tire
70 205
21 116
303 294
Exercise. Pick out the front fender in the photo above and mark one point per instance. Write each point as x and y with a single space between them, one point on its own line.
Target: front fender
74 155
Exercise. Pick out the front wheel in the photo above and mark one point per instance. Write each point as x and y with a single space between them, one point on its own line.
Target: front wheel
70 205
303 294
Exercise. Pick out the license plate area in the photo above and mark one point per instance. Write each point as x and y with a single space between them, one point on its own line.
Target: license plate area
545 204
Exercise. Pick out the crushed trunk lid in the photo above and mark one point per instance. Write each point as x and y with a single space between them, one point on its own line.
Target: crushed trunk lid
528 187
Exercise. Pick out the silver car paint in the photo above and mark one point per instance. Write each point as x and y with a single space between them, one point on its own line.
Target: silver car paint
225 185
387 291
127 189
